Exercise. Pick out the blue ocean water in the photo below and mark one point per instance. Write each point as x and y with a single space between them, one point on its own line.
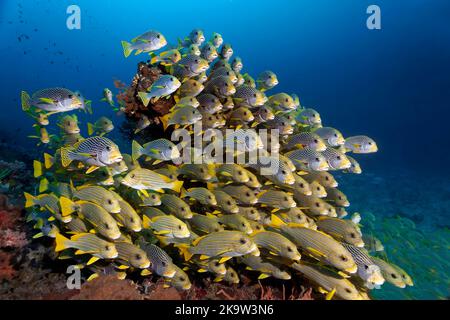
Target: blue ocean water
391 84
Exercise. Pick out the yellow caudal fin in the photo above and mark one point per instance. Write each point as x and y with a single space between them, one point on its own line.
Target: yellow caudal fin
185 252
48 161
165 121
37 168
136 150
126 49
65 158
67 206
29 200
25 98
144 97
276 221
43 185
176 186
146 222
330 294
61 242
90 128
183 193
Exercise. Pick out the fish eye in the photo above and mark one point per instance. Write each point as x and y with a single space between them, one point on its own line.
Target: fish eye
317 159
348 290
107 248
243 241
317 204
110 201
254 95
243 224
212 100
247 194
286 199
240 173
171 79
107 227
108 148
229 202
153 196
179 227
202 170
138 256
318 188
353 235
289 249
283 171
335 135
196 33
193 111
340 198
245 113
182 209
196 60
286 100
370 143
182 279
338 157
194 84
70 96
344 258
163 263
132 220
316 141
132 176
326 178
158 36
209 118
216 263
393 275
366 267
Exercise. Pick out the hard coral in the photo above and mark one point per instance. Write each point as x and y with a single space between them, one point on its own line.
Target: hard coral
7 271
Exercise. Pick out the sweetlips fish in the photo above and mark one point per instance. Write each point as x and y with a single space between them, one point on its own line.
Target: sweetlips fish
54 100
69 124
335 159
172 204
185 115
267 269
162 87
166 58
337 197
331 136
224 72
145 179
266 80
276 199
360 144
249 96
209 103
354 167
202 195
94 151
248 80
99 195
87 243
132 255
309 117
216 39
223 244
324 178
205 223
236 222
102 126
209 52
162 263
276 244
282 102
308 160
48 202
189 66
390 272
221 86
180 280
146 42
167 225
237 64
142 124
317 189
345 231
305 140
189 88
159 149
108 96
196 37
189 101
225 202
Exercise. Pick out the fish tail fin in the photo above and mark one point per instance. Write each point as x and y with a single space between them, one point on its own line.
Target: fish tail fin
30 200
165 121
67 206
183 193
88 106
37 168
61 242
48 161
65 156
144 97
146 222
90 127
276 221
154 58
126 49
136 150
184 249
43 185
25 99
177 186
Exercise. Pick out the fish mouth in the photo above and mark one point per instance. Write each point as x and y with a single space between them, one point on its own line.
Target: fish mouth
324 167
307 193
187 286
115 237
145 265
169 274
137 229
352 269
255 252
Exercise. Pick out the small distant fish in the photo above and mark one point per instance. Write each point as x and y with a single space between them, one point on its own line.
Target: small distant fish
206 223
147 42
162 87
196 37
267 269
308 160
371 243
309 117
209 103
277 244
133 255
180 280
282 102
129 217
324 178
202 195
330 281
306 140
226 51
248 80
336 160
354 167
241 193
108 97
221 86
342 230
237 64
249 96
337 197
222 244
216 40
160 149
314 205
225 202
192 49
317 189
237 222
69 124
191 88
276 199
250 213
166 58
189 66
360 144
162 263
102 126
233 171
99 195
332 136
189 101
176 206
203 172
209 52
167 226
184 115
144 179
